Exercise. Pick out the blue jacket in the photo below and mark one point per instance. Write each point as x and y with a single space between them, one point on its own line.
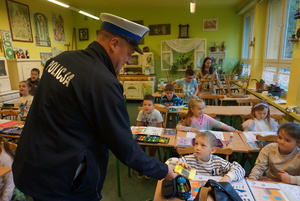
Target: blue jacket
77 114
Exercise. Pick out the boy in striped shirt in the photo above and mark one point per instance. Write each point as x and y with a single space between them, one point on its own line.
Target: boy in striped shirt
207 164
170 98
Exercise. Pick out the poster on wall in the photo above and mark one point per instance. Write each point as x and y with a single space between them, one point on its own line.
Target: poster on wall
7 43
19 21
41 33
58 29
45 56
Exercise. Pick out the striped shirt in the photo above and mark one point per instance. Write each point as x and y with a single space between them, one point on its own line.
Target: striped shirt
216 166
176 100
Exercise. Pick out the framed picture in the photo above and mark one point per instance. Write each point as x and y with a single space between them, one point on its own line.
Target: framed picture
83 34
210 24
183 31
160 29
19 21
45 56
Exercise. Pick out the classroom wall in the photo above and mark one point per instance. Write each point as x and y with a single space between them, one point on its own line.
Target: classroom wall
47 9
229 28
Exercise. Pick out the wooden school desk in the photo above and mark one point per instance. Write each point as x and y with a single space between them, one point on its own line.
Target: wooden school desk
249 96
8 124
237 145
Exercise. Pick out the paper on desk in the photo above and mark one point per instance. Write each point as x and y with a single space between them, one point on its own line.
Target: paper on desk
252 135
219 135
291 191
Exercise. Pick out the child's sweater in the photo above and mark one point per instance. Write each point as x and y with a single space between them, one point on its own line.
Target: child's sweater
205 123
7 179
176 100
258 126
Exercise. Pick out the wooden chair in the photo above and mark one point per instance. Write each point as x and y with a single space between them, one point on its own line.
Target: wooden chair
247 102
173 77
9 114
211 82
164 113
277 118
244 82
212 99
12 146
189 150
267 138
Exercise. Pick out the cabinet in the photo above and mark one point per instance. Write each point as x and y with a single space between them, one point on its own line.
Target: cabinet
137 87
19 70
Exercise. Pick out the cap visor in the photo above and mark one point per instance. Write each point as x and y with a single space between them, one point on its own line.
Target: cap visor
138 49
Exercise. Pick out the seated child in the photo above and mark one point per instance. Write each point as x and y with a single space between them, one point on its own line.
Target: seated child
196 119
25 100
6 160
170 99
188 84
149 116
280 160
34 79
260 119
208 164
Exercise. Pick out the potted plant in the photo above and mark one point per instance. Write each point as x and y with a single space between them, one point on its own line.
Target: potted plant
260 85
275 90
182 62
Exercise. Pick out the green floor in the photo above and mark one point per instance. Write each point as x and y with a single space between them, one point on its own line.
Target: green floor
132 188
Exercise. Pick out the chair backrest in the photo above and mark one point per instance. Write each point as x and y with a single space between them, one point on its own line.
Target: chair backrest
277 117
164 113
247 102
12 146
169 76
245 117
212 99
211 82
243 81
9 114
189 150
267 138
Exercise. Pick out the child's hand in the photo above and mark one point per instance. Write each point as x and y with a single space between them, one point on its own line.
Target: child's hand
194 130
183 164
226 178
170 104
166 104
285 177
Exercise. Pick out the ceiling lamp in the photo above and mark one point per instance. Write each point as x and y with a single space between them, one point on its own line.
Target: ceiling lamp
75 9
193 6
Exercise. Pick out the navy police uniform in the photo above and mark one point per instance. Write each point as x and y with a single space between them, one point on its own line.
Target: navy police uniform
77 114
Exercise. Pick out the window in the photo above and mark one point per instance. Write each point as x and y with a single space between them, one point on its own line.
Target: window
248 39
278 54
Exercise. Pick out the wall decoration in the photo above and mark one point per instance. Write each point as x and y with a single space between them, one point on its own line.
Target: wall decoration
41 33
183 31
160 29
210 24
19 21
45 56
83 34
58 29
20 52
141 22
7 43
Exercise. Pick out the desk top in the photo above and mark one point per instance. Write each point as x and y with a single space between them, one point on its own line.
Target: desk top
4 170
228 110
249 96
237 146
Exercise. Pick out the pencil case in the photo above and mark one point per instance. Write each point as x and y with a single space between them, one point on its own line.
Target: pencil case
151 138
178 187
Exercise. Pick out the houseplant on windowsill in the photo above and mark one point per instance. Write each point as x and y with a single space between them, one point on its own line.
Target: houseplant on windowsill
260 85
275 90
183 62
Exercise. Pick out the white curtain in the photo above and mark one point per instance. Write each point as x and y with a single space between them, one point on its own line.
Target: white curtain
183 45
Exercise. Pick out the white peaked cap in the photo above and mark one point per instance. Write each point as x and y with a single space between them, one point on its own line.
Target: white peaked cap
129 30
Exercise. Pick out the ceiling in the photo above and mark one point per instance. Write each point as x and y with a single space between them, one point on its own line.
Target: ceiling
95 6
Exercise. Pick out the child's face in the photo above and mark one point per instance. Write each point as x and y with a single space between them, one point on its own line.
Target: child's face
202 148
261 114
34 75
148 106
189 78
198 109
24 89
169 94
286 144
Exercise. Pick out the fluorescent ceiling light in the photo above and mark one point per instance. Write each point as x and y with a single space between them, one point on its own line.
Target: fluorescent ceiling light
192 7
89 15
59 3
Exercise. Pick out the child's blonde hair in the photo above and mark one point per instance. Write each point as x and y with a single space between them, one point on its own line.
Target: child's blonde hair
259 106
192 103
210 136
